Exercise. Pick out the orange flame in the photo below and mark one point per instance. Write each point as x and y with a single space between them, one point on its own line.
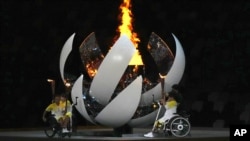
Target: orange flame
126 28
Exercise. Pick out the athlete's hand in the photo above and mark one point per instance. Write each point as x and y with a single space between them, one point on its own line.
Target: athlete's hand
162 101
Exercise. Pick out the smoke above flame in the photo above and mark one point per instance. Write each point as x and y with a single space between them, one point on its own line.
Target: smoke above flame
126 28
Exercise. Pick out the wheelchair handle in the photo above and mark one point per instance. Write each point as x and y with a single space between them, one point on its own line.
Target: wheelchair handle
76 101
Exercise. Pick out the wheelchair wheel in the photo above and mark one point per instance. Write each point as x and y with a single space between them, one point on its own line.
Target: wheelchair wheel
179 126
50 132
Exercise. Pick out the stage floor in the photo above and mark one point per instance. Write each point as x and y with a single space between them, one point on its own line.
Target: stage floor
99 134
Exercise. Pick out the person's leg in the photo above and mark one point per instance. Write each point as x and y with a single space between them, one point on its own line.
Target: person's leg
157 125
60 121
154 130
65 121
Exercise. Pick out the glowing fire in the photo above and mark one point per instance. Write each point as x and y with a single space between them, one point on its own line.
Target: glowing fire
91 70
126 28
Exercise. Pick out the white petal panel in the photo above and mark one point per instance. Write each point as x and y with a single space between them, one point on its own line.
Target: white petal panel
122 108
144 121
65 53
147 97
173 77
77 92
111 70
175 73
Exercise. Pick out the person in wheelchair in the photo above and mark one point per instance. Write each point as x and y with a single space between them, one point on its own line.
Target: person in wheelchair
58 113
53 113
67 113
171 103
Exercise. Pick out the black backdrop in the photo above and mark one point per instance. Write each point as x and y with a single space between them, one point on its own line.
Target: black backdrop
215 36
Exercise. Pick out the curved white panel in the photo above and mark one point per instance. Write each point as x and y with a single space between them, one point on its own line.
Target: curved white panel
77 92
173 77
147 97
111 70
175 73
143 121
122 108
67 47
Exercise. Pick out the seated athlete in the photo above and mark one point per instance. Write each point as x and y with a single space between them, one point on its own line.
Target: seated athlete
171 108
60 111
67 110
56 110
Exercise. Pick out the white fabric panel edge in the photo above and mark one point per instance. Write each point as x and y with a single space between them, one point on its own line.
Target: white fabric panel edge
176 72
143 121
111 70
173 77
122 108
67 47
77 92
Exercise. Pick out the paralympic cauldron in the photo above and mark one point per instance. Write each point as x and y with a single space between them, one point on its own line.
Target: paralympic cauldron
117 93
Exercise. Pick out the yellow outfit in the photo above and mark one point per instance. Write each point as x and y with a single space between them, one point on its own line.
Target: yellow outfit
171 107
171 104
55 110
68 108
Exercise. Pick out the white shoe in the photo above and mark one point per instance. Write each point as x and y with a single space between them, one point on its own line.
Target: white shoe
149 135
65 130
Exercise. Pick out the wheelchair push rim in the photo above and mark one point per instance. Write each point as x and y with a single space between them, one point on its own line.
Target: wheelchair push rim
180 127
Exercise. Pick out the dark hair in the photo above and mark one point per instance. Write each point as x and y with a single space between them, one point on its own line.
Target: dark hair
172 93
176 95
64 95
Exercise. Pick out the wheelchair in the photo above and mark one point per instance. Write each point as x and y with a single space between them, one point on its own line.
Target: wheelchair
178 125
54 128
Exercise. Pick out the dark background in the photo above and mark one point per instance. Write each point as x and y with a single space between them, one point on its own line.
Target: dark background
215 36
